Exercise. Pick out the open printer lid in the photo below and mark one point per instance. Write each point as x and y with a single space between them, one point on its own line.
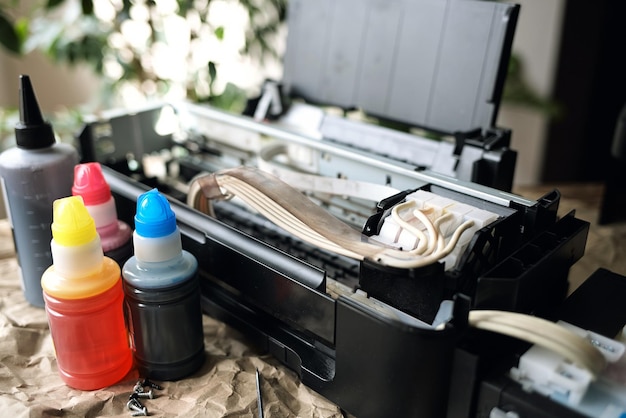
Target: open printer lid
436 64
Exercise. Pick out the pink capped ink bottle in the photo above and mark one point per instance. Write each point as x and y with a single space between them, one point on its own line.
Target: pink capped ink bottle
115 235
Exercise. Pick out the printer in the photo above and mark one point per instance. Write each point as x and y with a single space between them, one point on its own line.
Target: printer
357 223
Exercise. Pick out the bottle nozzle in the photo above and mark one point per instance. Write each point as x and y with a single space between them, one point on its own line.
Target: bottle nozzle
72 225
154 217
32 131
90 184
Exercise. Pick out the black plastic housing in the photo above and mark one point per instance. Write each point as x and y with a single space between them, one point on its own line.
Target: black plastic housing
518 263
341 348
596 305
370 363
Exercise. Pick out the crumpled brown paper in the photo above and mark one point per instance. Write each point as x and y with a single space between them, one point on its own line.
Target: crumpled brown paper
225 386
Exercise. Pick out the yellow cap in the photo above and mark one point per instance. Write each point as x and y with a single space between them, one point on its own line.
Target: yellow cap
71 223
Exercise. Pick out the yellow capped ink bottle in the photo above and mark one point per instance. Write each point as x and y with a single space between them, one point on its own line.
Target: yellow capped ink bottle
162 293
84 302
34 173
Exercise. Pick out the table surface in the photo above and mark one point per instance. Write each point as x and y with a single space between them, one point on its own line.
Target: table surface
226 384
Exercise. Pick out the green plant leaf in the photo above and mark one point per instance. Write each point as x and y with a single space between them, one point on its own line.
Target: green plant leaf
53 3
9 37
212 73
21 29
219 32
232 98
184 6
87 6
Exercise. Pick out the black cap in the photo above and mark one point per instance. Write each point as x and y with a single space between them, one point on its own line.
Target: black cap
31 132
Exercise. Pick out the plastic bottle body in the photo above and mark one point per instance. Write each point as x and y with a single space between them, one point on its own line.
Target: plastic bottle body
32 179
122 253
115 235
89 333
164 316
113 232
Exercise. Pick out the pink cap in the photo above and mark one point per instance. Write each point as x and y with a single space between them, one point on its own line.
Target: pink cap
90 184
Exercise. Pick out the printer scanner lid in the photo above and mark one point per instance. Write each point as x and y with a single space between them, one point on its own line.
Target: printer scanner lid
435 64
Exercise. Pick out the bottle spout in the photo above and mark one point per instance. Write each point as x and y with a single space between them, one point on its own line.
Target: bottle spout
32 131
72 225
157 238
89 183
154 217
30 114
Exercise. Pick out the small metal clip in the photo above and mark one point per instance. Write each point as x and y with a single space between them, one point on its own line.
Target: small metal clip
138 392
151 384
137 395
137 407
259 399
138 387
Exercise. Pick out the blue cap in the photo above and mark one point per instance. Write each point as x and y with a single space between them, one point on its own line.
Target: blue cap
154 217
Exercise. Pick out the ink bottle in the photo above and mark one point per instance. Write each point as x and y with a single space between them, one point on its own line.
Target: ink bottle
84 302
162 293
34 173
89 183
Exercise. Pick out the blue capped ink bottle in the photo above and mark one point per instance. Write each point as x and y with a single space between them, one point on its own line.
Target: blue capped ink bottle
162 295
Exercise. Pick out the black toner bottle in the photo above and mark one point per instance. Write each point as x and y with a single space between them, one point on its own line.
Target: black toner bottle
34 173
